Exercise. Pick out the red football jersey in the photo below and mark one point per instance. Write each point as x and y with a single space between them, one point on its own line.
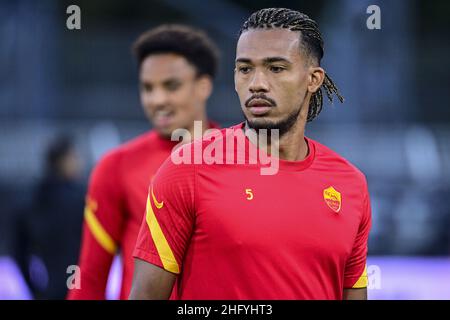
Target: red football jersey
115 205
230 232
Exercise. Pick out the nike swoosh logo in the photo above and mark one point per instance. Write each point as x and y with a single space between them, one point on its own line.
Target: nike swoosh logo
158 205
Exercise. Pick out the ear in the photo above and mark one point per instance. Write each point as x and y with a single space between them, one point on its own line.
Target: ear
204 87
316 78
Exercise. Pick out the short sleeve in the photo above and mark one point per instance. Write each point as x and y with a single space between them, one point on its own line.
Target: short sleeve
355 269
169 219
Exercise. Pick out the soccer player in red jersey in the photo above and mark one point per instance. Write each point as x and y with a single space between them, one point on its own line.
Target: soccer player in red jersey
177 65
215 230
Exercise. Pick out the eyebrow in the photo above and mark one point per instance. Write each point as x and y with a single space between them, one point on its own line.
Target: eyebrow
171 80
165 81
266 61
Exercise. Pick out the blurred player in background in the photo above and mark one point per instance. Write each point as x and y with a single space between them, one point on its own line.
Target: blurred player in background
177 65
51 228
216 231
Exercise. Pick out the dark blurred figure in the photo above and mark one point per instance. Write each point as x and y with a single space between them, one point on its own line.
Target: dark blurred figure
50 228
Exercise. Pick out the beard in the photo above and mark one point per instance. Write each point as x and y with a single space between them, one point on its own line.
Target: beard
283 126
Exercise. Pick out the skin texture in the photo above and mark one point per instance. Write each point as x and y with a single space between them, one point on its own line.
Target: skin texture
151 282
289 83
355 294
70 165
287 77
281 72
172 94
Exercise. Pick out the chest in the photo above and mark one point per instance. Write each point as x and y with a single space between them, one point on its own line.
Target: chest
300 211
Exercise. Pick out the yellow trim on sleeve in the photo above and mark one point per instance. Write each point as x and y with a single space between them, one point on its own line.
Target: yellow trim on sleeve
100 234
162 246
363 281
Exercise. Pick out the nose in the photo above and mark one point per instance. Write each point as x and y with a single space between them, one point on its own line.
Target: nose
259 83
157 98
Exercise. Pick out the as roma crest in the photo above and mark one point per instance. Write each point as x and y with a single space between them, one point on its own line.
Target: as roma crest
332 198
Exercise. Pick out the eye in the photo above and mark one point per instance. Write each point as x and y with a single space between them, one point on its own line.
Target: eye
276 69
244 69
173 86
146 87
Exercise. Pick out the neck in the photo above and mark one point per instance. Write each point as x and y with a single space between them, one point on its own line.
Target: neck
197 128
204 121
292 145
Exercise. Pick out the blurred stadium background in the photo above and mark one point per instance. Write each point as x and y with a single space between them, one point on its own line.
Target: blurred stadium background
394 125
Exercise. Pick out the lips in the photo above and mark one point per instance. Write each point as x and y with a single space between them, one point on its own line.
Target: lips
259 110
259 107
163 118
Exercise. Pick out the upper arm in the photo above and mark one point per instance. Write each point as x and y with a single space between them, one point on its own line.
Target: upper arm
355 276
169 219
104 216
151 282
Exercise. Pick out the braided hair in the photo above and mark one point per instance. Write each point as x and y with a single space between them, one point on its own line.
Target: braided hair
311 43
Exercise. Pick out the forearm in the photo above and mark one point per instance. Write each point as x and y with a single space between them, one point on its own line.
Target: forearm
355 294
94 264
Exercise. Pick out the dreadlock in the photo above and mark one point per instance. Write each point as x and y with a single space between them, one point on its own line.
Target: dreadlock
311 43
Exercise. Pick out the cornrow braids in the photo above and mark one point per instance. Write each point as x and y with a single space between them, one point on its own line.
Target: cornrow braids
311 43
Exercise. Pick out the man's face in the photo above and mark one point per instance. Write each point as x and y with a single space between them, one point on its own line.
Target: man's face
271 77
171 94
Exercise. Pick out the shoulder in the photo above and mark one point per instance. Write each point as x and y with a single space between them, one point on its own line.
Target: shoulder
220 137
110 164
330 160
185 159
114 156
143 141
190 157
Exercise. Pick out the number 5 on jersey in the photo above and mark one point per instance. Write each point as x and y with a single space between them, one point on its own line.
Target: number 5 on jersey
249 194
